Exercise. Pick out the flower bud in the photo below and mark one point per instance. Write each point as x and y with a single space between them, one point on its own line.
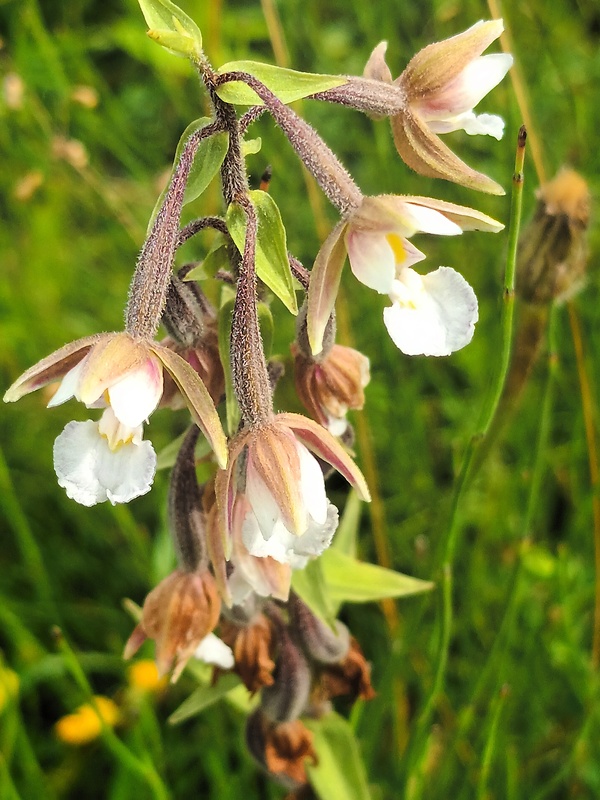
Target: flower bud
329 386
553 252
178 614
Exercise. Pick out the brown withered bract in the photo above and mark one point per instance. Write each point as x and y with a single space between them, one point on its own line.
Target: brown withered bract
252 649
177 614
553 251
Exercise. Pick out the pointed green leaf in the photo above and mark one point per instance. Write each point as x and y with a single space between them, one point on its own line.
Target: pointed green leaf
340 771
207 162
225 313
346 536
164 17
251 146
309 585
351 581
272 263
205 696
287 84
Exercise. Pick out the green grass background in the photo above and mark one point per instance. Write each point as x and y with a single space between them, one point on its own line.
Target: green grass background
518 717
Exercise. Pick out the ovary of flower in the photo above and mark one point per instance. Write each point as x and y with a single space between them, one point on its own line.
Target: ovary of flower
104 460
264 531
433 314
451 109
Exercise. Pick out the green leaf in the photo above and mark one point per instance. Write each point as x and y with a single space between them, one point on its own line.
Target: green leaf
340 772
207 162
346 536
272 263
216 259
205 696
351 581
164 17
265 320
287 84
309 585
225 314
251 146
168 455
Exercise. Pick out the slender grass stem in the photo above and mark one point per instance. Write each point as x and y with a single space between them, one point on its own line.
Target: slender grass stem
490 744
588 405
143 768
30 552
489 410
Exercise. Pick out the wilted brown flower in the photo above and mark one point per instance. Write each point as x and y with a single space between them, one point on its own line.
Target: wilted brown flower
282 749
351 676
178 614
553 251
252 648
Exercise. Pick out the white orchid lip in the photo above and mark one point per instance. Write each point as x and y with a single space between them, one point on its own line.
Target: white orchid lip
104 460
432 315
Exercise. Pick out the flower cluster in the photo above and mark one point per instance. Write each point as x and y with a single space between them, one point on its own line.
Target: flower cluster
264 514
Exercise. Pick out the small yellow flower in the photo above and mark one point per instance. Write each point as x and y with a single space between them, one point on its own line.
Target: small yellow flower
9 687
83 725
143 677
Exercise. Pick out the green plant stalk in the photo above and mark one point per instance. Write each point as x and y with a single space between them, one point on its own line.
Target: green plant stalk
487 417
490 744
30 552
142 768
498 653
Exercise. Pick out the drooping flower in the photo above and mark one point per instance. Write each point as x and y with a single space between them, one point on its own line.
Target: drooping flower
108 460
328 387
288 517
179 614
375 237
442 84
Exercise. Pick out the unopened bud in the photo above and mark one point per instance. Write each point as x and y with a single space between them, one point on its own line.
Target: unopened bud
553 250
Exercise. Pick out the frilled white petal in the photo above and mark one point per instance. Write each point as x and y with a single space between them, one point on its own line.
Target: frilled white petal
91 472
431 315
68 385
473 124
136 395
284 546
462 94
213 650
372 259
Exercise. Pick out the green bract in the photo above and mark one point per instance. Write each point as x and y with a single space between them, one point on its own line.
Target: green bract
340 763
287 84
272 263
171 27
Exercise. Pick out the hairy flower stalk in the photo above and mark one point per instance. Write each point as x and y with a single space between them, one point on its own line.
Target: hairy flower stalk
186 516
150 283
332 177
